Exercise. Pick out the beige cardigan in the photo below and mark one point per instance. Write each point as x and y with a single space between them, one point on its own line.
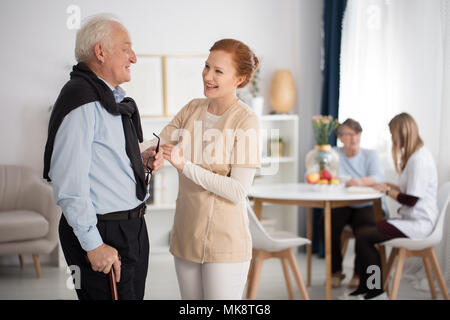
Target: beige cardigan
207 227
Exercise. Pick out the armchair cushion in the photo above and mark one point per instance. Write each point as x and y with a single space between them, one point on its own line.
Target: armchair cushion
18 225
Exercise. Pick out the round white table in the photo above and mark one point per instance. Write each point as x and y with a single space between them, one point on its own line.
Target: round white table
315 196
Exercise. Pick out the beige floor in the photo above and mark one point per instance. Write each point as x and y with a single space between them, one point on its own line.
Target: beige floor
162 284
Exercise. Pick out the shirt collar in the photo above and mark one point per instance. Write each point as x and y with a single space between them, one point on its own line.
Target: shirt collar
119 92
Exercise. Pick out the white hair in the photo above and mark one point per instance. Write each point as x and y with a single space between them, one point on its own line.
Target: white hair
96 29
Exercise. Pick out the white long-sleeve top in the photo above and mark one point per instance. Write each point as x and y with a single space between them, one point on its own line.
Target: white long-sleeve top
233 188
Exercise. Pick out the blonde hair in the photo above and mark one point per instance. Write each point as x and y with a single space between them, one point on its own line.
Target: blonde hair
94 30
405 139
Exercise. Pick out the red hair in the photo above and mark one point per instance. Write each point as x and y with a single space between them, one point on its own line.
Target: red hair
244 59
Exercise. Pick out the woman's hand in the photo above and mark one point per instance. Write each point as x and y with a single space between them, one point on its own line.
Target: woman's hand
382 187
174 155
387 189
393 186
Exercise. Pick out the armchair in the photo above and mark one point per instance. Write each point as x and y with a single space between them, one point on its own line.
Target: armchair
28 215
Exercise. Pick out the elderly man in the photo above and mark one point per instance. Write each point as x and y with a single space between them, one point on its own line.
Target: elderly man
363 168
93 157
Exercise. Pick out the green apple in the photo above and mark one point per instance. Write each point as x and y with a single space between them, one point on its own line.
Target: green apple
334 181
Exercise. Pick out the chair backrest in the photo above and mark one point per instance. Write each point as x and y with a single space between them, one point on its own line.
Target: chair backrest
12 180
260 238
443 202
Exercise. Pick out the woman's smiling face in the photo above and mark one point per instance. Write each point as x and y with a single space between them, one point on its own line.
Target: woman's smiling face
219 75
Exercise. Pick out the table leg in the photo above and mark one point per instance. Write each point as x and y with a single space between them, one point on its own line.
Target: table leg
377 210
257 208
309 231
328 249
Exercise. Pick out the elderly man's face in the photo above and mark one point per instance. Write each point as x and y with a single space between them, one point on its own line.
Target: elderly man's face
350 138
118 61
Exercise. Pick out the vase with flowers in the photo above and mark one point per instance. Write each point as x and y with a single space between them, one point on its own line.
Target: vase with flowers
322 163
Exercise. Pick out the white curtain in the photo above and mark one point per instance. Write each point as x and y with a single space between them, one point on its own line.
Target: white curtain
443 250
395 57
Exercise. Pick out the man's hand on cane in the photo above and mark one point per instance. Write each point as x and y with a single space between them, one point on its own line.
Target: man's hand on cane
103 258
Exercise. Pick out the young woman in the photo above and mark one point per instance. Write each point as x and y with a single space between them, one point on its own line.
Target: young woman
214 144
416 191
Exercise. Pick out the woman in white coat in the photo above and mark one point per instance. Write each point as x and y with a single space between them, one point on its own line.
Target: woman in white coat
416 192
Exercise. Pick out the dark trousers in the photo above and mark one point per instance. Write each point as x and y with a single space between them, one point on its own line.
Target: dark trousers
368 255
356 218
130 239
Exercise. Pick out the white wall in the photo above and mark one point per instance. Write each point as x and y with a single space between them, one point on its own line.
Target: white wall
37 53
309 83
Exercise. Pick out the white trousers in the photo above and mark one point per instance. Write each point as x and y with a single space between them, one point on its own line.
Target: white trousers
211 281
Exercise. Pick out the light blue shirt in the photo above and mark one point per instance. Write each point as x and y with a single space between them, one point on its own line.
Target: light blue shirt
90 170
365 164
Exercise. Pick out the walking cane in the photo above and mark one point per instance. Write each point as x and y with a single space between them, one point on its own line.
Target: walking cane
113 284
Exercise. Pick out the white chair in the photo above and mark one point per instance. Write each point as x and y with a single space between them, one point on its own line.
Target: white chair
276 245
403 248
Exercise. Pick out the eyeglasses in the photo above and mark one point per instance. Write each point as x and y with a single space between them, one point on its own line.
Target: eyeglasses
148 170
350 135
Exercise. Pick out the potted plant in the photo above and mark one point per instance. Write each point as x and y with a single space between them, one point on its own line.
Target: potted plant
257 101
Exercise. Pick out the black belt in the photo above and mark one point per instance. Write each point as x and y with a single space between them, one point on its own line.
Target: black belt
124 215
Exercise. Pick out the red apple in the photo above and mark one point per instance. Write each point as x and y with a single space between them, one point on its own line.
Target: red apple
325 174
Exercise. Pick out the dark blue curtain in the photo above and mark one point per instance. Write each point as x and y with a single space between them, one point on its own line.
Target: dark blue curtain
332 29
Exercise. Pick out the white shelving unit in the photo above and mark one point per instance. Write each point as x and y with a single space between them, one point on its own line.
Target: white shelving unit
274 169
282 169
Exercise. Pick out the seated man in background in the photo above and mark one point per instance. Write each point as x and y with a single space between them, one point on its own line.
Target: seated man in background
363 168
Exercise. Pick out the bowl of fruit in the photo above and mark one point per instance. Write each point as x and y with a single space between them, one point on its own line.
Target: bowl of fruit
323 181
